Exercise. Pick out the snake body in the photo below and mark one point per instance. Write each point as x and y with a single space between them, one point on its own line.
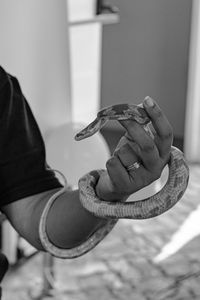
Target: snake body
169 195
114 112
150 207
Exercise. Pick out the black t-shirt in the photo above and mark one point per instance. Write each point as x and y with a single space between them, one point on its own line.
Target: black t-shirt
23 168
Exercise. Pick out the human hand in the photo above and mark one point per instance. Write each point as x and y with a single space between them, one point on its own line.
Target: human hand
137 145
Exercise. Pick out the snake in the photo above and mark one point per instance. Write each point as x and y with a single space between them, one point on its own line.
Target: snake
150 207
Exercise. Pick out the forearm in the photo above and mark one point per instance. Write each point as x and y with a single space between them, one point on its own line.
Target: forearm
68 223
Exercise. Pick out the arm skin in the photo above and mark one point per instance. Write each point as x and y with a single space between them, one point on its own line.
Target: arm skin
68 223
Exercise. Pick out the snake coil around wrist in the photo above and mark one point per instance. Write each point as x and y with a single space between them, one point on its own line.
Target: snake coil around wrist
90 242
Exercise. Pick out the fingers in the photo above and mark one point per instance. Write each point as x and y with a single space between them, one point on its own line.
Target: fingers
142 144
126 182
126 155
163 137
129 153
117 165
162 126
118 174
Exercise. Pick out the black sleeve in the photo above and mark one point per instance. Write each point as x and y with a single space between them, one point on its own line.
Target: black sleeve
23 168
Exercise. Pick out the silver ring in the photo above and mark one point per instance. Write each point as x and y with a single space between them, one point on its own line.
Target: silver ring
134 166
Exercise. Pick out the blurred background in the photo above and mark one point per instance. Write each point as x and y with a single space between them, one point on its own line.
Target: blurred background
72 58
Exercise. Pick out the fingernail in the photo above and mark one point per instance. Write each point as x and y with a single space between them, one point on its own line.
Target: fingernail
149 101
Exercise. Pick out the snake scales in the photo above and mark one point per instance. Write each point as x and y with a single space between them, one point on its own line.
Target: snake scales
150 207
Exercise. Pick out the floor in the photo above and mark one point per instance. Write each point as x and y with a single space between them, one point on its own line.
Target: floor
155 259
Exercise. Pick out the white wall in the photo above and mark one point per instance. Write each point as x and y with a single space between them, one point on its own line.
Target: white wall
85 40
85 53
34 47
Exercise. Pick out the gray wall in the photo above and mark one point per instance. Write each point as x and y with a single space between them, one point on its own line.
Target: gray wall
147 54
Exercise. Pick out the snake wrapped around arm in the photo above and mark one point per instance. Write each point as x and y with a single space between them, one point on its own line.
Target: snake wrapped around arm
150 207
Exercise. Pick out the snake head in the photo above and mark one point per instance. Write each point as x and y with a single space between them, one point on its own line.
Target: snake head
114 112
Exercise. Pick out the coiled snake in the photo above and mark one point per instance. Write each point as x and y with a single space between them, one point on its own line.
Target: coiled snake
150 207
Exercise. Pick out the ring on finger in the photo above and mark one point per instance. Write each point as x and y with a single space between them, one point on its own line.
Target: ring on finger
133 166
